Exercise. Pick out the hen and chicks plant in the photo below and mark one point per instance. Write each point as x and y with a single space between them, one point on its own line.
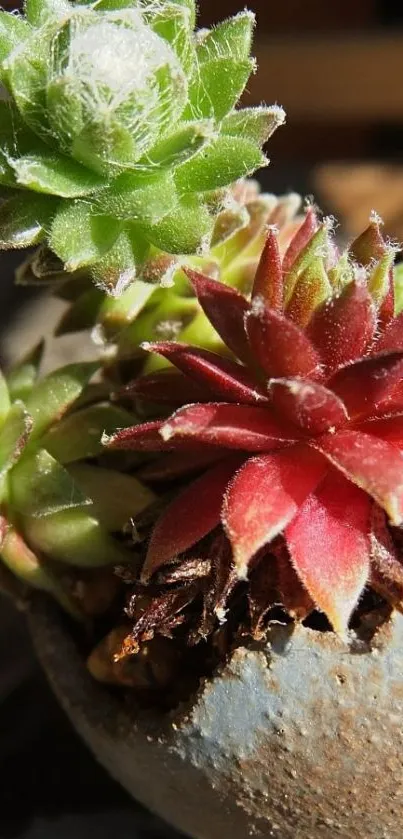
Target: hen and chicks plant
253 468
297 433
119 131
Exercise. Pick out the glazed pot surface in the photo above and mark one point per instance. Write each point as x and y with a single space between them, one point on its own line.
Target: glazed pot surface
298 738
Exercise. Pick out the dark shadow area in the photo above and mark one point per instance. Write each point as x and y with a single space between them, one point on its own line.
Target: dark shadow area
52 787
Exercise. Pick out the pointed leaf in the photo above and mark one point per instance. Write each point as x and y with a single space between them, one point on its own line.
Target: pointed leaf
311 291
55 175
117 312
312 407
116 268
39 486
374 465
76 538
13 30
280 347
185 230
366 386
398 288
24 220
171 21
54 395
231 39
317 245
329 547
116 498
268 283
223 161
216 88
225 379
181 144
255 124
343 327
39 12
14 434
264 496
301 239
225 309
166 387
145 437
79 236
379 279
193 514
138 198
244 427
370 244
79 435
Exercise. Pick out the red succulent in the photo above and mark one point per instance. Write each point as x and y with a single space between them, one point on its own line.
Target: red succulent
298 432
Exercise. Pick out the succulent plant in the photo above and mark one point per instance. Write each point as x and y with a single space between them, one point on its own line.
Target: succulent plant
297 434
120 131
165 304
58 506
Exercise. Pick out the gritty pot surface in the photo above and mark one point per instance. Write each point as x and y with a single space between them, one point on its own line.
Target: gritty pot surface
298 738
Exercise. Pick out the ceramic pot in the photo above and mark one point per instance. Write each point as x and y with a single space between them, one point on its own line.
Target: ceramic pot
297 738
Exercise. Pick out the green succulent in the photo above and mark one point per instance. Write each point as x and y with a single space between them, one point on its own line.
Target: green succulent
120 131
58 505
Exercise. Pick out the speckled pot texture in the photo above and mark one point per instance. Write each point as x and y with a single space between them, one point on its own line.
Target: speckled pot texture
297 738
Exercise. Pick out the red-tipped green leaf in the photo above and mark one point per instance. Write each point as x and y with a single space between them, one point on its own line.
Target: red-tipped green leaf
231 426
373 464
264 497
193 514
301 238
224 378
343 327
312 289
225 308
329 547
370 244
280 347
368 384
268 282
309 405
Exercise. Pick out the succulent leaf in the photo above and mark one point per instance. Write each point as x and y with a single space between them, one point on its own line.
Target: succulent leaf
74 537
121 104
24 220
329 547
22 377
77 436
318 457
116 498
52 396
14 435
40 486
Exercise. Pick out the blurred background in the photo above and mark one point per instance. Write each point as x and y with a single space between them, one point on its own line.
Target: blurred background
337 69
